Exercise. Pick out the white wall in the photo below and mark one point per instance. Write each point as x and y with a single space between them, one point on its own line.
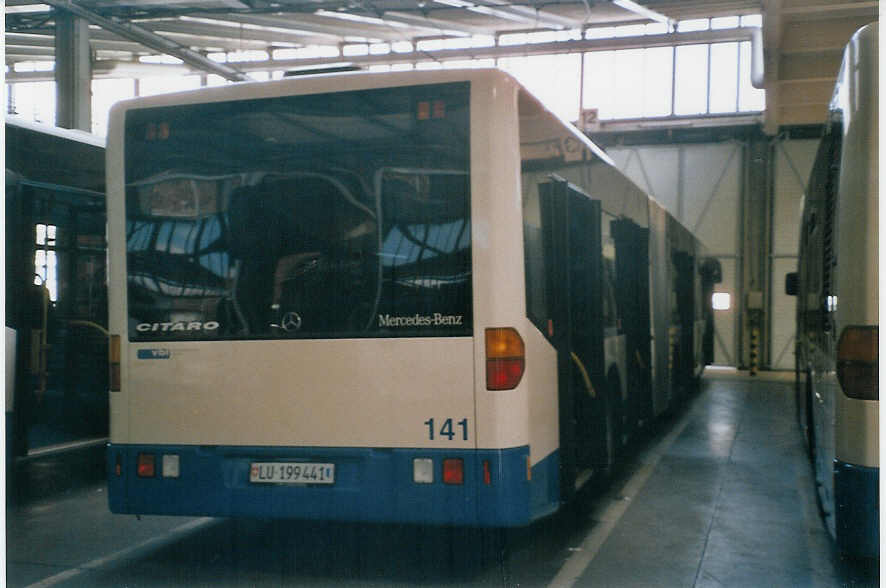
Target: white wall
792 164
700 184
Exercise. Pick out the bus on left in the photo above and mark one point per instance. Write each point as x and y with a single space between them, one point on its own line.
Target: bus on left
56 294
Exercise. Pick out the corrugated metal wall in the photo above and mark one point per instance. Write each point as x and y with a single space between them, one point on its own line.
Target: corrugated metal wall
792 162
701 185
704 185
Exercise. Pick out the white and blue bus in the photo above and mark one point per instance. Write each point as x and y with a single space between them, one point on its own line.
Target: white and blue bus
405 297
837 305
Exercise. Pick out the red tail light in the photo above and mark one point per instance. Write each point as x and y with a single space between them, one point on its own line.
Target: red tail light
453 471
146 466
505 358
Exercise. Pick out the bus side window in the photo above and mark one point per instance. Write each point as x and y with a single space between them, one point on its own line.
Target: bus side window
534 259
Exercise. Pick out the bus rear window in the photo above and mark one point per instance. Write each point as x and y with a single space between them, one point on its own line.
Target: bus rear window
342 215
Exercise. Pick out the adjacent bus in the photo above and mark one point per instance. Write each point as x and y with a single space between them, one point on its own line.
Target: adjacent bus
403 297
56 295
837 305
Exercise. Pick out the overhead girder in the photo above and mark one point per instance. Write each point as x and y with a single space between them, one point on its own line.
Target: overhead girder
196 30
504 10
176 36
15 40
556 47
312 23
150 39
106 45
430 22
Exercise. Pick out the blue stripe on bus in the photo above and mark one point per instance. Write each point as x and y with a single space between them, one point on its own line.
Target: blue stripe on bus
372 485
544 491
856 496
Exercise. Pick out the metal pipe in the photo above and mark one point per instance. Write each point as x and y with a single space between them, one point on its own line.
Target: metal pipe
757 61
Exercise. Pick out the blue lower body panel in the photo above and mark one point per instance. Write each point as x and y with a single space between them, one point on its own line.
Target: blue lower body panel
373 485
856 497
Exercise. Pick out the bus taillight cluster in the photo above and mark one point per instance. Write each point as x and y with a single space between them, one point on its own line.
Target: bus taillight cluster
505 358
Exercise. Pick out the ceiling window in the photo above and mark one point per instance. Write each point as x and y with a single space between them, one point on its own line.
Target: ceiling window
657 82
691 79
687 80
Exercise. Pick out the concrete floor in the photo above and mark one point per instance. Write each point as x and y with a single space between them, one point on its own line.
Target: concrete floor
721 495
730 503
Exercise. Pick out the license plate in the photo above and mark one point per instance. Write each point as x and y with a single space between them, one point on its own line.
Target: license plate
292 473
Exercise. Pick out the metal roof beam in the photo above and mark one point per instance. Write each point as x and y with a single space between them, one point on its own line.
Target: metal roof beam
318 24
555 47
41 76
46 40
28 40
551 48
151 40
15 52
232 33
541 17
103 40
439 24
502 10
209 43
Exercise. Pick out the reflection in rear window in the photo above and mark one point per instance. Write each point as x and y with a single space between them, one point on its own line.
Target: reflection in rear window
342 215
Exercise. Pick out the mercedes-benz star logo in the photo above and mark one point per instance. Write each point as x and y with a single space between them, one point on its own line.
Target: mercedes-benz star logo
291 321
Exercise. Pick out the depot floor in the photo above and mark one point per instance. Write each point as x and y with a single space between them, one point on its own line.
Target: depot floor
720 495
731 501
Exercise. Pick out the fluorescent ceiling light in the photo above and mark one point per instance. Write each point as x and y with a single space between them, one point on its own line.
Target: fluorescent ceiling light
641 10
455 3
245 25
361 19
28 9
487 10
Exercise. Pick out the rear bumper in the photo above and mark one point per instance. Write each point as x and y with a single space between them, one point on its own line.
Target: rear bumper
372 485
856 496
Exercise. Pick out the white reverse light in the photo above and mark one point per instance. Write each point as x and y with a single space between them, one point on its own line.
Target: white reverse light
171 466
423 470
